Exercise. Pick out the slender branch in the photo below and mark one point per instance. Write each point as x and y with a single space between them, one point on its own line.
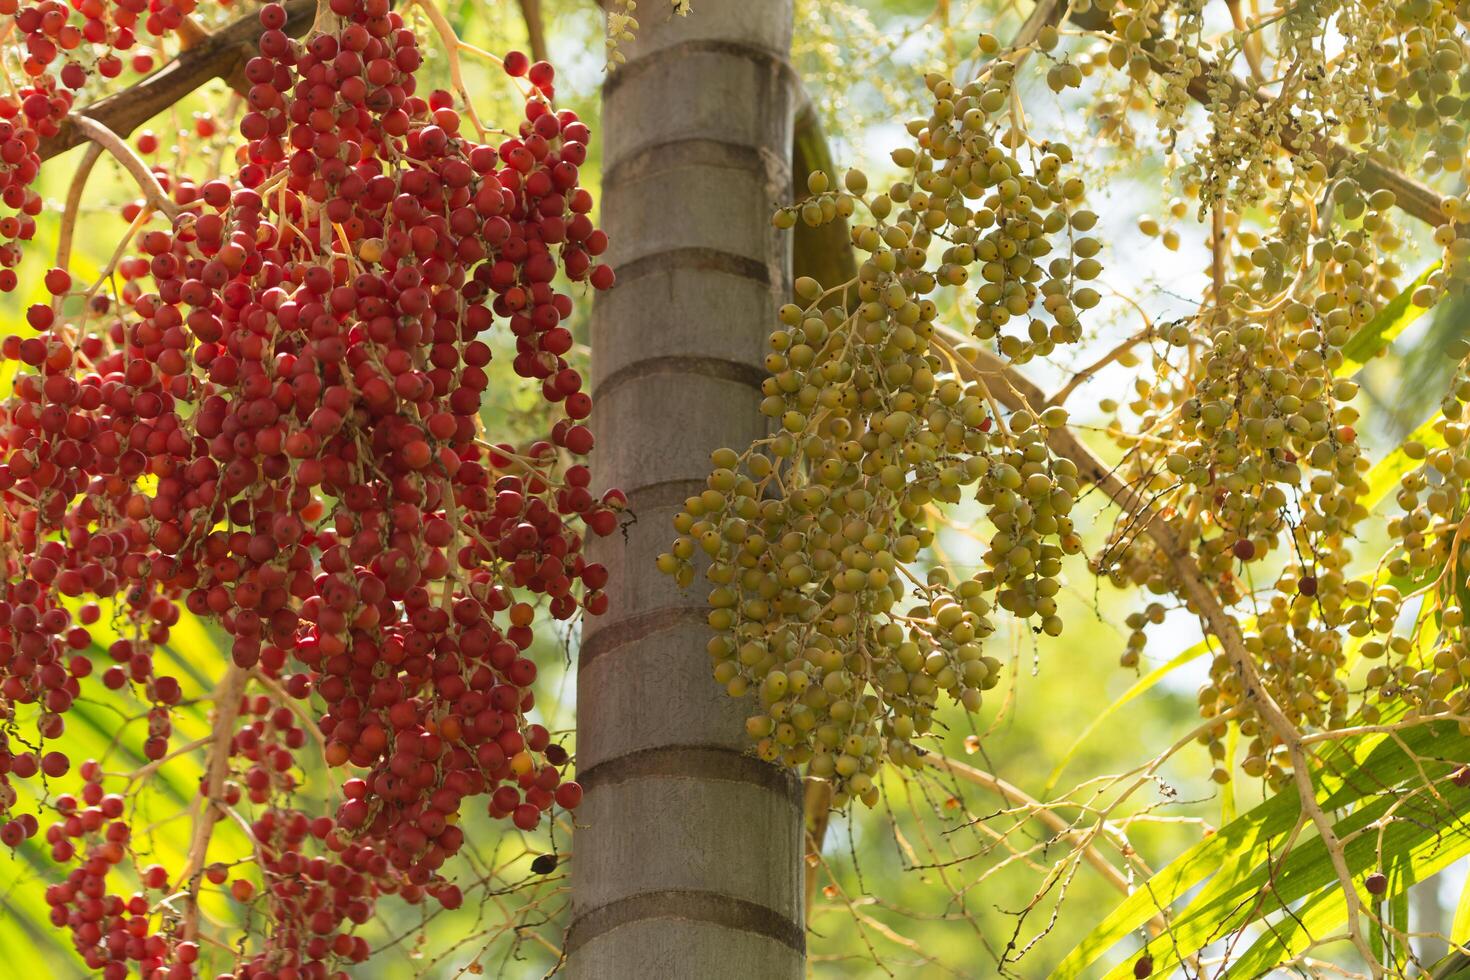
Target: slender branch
535 28
1045 815
73 209
1227 630
1083 376
117 255
1015 391
226 712
157 197
452 44
144 771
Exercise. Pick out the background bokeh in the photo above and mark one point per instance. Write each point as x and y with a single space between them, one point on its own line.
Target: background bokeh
925 885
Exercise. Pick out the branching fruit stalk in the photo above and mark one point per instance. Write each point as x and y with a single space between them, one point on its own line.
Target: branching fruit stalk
1157 925
1015 391
153 191
217 767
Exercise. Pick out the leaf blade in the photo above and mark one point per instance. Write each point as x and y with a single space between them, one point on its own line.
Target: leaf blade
1375 335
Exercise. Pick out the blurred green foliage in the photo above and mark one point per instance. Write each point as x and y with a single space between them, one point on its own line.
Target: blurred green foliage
923 885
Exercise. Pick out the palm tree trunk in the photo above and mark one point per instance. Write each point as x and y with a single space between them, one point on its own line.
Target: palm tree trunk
688 850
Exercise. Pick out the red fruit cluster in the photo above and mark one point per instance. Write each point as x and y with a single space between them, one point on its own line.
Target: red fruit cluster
85 35
23 122
278 426
42 653
319 885
109 930
85 38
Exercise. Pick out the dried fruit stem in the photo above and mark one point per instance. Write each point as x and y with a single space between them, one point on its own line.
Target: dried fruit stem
226 711
98 133
1015 391
73 210
451 44
1082 376
1045 815
143 772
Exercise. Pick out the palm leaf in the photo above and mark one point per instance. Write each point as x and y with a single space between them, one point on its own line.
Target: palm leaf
1375 335
1234 866
1414 850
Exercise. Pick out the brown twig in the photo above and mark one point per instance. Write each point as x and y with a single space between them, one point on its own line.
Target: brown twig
144 771
452 44
1086 374
1054 822
147 181
535 28
1227 631
1015 391
73 209
226 712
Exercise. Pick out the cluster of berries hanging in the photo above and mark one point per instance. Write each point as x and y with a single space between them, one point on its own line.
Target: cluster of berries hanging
276 425
813 534
63 47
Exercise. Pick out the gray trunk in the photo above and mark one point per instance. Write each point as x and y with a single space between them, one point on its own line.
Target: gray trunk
687 854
